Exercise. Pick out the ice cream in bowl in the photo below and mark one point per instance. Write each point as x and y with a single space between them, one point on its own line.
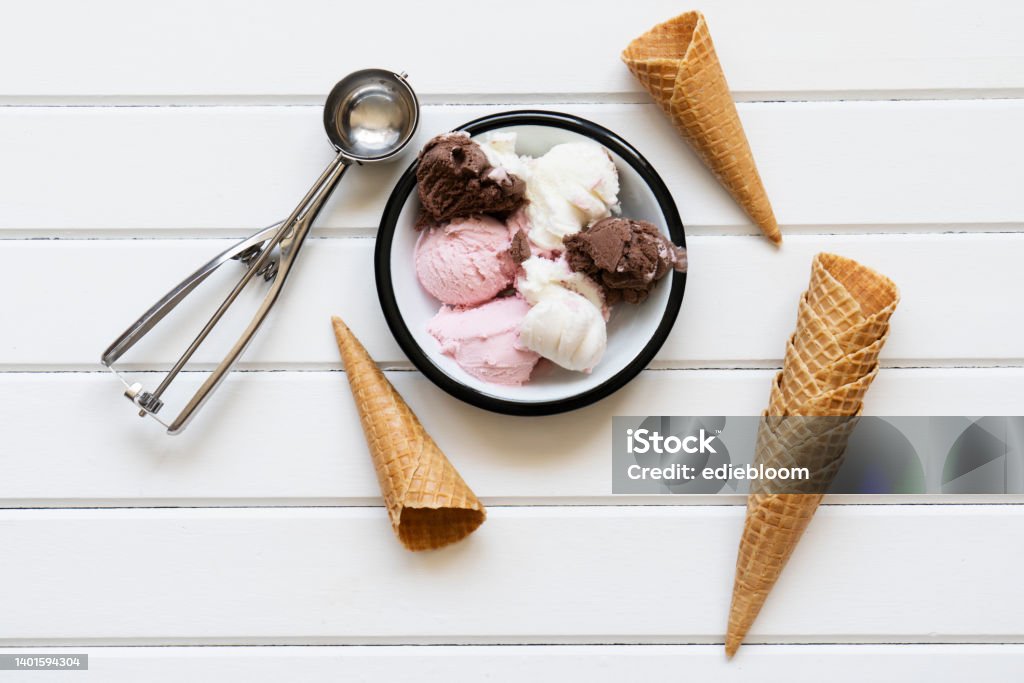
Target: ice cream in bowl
530 262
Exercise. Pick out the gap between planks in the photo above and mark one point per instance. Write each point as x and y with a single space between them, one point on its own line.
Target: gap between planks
336 233
405 366
516 99
504 502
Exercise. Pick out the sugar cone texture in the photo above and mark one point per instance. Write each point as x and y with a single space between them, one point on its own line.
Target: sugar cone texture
429 504
815 402
676 63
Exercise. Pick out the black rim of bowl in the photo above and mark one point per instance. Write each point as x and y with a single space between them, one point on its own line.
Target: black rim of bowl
419 358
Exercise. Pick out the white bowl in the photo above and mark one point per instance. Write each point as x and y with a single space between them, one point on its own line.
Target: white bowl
635 332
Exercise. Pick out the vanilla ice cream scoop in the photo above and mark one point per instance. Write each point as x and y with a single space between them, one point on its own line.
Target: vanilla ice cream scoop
567 329
572 185
542 278
566 323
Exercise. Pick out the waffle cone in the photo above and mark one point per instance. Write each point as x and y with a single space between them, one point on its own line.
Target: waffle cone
777 403
873 328
676 63
817 443
429 504
846 400
831 361
830 300
860 363
873 292
814 339
799 383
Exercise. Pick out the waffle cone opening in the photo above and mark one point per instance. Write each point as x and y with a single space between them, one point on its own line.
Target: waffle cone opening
429 528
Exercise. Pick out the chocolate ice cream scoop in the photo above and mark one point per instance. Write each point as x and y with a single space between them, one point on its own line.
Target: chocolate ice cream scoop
455 180
625 256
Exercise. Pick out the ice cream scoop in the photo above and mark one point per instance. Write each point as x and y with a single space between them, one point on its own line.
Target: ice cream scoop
542 278
627 257
565 328
455 179
484 340
369 116
465 262
567 322
572 185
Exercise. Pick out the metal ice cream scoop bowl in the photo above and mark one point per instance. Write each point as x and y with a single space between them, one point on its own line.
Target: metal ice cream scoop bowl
370 117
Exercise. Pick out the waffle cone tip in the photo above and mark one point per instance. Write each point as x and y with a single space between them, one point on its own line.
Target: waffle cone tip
740 620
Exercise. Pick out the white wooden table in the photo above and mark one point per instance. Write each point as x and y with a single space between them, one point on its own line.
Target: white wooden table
136 139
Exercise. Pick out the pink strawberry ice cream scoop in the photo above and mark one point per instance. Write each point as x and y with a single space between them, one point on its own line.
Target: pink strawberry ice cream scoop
465 262
484 340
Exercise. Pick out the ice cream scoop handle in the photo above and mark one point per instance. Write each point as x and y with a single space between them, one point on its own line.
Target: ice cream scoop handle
290 237
167 303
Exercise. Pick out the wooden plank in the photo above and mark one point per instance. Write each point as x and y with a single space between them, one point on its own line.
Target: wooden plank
958 291
531 575
850 166
230 48
594 663
103 454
